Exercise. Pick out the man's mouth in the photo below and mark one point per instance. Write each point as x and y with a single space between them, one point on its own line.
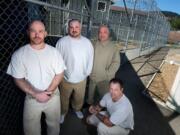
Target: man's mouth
37 38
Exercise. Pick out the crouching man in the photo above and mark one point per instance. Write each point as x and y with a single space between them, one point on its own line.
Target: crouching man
118 118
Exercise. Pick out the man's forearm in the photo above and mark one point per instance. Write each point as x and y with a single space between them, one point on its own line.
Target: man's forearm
55 82
24 86
100 117
104 119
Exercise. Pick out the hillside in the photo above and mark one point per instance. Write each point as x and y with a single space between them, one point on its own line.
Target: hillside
174 19
170 14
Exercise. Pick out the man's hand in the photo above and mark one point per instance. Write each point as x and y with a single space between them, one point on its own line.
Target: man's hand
105 119
94 109
43 96
107 122
40 96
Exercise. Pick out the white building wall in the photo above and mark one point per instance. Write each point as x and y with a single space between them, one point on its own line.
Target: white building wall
174 99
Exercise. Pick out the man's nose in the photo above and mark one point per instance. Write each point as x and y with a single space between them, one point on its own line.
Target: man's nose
36 34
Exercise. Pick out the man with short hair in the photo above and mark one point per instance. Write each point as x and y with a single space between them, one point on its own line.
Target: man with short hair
118 119
106 63
77 52
37 69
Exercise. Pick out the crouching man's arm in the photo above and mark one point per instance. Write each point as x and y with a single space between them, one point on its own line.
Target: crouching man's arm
105 119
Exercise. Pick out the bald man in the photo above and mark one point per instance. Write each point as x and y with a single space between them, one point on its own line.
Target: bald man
37 69
106 63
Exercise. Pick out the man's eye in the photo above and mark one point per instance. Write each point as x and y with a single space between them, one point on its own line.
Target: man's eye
32 31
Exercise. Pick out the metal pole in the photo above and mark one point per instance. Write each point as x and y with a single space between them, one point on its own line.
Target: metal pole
129 28
90 19
119 27
55 7
108 12
142 37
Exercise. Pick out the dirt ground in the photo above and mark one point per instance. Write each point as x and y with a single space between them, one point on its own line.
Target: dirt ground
162 82
156 72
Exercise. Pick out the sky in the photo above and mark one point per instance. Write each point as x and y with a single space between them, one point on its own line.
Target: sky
165 5
169 5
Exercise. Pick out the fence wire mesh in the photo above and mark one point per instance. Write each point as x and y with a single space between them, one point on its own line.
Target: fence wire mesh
135 24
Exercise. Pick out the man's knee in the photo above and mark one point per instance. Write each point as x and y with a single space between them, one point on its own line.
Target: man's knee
102 129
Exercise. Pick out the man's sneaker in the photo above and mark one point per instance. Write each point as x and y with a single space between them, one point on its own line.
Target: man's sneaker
79 114
62 118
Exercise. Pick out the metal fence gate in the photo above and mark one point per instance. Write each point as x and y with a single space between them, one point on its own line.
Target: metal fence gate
136 24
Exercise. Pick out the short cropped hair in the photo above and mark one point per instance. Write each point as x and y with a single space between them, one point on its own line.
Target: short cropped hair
35 20
73 20
104 25
117 80
107 27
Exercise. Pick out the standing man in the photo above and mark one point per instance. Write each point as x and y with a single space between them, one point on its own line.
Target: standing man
118 119
106 63
77 52
37 69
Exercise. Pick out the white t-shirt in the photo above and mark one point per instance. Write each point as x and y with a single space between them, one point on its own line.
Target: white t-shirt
121 112
78 57
38 67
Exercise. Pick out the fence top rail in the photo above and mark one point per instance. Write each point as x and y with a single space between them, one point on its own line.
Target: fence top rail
56 7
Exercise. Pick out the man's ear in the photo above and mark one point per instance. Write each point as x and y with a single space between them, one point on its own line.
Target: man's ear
46 33
122 89
27 32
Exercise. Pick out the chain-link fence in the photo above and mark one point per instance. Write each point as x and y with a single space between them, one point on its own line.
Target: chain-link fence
139 24
136 24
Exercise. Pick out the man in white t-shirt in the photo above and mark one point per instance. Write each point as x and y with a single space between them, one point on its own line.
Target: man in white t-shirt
37 69
118 119
77 52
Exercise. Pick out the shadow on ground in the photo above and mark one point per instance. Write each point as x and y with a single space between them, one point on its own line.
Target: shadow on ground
149 119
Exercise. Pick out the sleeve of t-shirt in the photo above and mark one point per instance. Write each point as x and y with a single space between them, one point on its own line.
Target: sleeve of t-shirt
91 57
16 67
58 63
119 116
59 45
103 101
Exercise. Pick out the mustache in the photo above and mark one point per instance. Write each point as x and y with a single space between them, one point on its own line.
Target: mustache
37 38
74 31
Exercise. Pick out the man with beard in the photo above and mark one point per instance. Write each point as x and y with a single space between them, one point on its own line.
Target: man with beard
77 52
37 69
